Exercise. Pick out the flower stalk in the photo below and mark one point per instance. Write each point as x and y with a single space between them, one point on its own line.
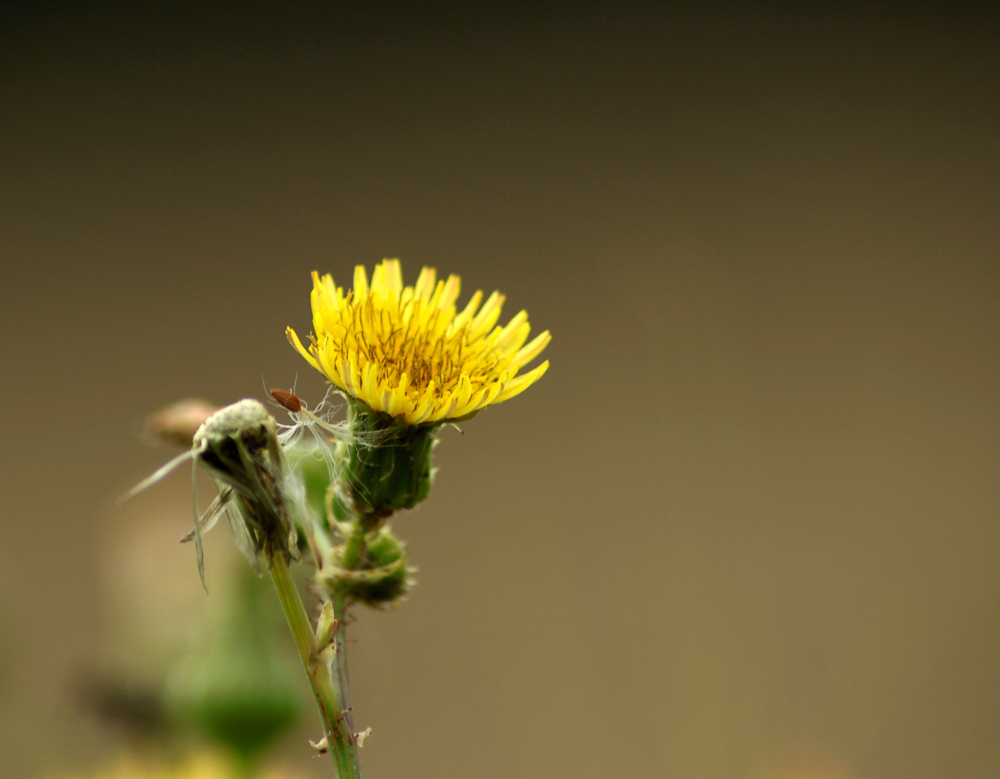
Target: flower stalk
316 651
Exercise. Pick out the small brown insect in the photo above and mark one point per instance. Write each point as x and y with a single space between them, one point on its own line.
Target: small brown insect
288 400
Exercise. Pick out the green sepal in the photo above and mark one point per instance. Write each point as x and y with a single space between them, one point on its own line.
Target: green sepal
388 467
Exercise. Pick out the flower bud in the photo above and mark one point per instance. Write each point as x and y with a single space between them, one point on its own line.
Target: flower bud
383 577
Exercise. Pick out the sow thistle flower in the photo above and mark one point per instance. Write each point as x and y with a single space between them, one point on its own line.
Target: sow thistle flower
408 361
408 353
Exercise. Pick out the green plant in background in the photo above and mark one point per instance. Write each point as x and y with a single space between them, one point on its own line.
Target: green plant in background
406 362
237 688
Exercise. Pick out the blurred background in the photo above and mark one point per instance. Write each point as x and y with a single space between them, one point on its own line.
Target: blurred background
745 527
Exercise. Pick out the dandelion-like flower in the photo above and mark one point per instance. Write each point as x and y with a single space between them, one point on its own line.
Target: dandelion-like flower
409 353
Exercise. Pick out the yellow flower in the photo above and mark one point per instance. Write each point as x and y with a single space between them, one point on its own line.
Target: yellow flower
407 352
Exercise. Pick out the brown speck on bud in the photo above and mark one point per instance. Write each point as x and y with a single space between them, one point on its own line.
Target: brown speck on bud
287 400
177 423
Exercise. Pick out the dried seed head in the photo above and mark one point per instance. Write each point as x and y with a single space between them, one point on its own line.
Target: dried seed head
238 446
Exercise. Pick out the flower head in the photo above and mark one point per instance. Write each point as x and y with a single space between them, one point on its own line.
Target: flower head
409 353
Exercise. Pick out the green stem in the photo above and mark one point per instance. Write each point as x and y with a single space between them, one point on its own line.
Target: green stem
332 697
353 549
341 683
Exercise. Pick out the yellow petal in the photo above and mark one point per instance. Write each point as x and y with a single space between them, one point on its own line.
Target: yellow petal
360 283
487 316
293 339
468 312
521 383
425 284
532 350
451 290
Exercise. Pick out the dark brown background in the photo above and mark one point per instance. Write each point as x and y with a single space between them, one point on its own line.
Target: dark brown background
747 526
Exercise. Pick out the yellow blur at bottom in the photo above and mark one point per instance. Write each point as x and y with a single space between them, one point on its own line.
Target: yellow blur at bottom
202 765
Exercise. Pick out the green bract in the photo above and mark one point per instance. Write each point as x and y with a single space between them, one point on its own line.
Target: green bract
393 473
